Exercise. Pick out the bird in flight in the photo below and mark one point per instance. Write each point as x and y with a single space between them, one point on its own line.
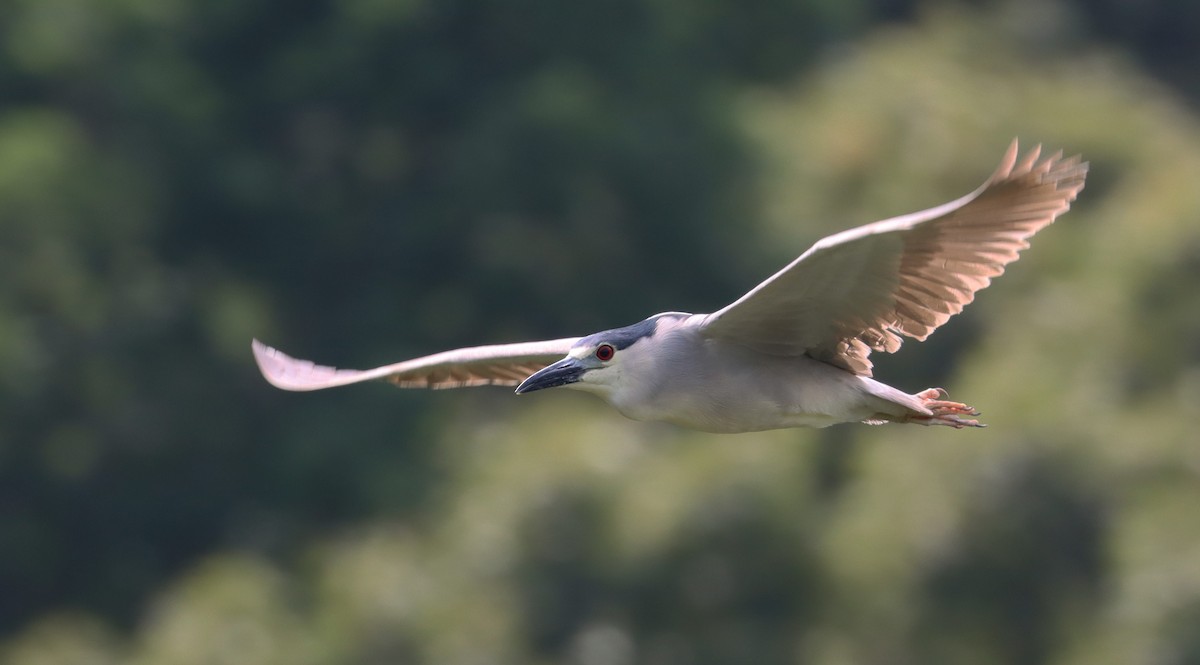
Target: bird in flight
792 352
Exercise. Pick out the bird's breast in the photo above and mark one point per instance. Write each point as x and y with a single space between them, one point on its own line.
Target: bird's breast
718 387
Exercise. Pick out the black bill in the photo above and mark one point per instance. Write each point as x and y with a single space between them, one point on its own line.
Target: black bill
561 373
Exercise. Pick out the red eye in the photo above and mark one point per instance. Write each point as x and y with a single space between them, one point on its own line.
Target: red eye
605 352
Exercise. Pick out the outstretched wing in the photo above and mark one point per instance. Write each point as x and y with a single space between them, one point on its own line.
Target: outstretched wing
865 289
500 365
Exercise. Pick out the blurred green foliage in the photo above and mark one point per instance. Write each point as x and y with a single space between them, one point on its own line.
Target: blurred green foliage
365 180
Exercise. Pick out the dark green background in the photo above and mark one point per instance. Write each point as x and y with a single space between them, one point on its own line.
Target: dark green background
367 180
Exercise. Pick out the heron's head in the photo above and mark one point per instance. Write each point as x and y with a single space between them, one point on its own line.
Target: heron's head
600 363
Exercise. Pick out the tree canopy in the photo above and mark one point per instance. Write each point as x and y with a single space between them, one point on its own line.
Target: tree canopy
364 181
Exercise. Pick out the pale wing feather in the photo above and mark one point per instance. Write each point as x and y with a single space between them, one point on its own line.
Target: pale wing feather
866 288
501 365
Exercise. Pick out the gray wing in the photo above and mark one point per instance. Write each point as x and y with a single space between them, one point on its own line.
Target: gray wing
865 289
498 365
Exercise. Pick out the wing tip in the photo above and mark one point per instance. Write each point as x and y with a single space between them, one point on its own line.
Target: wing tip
263 357
1065 174
1007 162
283 371
271 363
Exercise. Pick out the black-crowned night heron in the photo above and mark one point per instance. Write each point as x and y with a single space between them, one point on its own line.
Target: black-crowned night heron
794 350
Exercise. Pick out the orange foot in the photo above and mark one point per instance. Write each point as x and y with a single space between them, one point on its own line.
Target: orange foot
944 412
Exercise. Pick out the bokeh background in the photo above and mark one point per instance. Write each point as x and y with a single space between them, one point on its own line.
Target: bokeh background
360 181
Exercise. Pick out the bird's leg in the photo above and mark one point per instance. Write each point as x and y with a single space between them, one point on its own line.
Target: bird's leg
944 412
